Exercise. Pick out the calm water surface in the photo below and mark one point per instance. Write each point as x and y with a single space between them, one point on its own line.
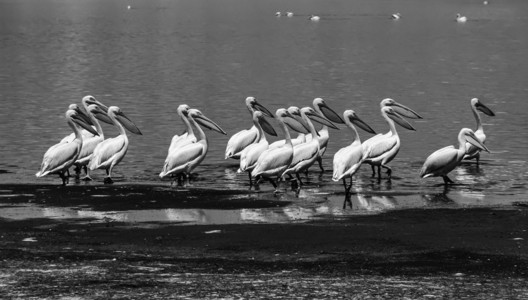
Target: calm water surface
213 54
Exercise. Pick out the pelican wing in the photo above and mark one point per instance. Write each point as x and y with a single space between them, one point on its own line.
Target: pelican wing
106 152
275 160
347 161
59 157
177 160
239 141
437 162
304 152
379 146
250 155
179 141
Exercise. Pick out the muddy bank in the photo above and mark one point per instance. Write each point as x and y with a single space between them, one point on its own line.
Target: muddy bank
407 253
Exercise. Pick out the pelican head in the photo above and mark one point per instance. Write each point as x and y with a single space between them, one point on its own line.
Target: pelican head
314 116
201 119
80 113
320 105
80 120
400 108
354 119
252 104
123 119
296 114
470 137
183 110
89 100
480 106
395 116
99 113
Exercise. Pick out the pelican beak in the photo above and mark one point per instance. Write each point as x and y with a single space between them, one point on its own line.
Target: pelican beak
321 120
330 114
354 119
81 121
264 110
206 122
483 108
295 124
395 116
266 126
405 111
129 125
101 115
91 100
473 140
81 114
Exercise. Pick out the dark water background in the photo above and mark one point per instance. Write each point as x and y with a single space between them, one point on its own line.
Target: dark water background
213 54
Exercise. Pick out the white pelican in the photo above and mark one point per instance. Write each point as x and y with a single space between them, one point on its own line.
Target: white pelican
324 110
444 160
278 14
273 162
62 156
244 138
472 151
187 137
400 109
461 19
86 101
295 126
250 155
348 159
289 14
305 154
314 18
111 151
184 159
381 149
396 16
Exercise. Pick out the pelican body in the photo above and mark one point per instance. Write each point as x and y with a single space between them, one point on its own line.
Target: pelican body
60 157
184 159
396 16
461 19
471 150
187 137
250 155
111 151
244 138
445 160
347 160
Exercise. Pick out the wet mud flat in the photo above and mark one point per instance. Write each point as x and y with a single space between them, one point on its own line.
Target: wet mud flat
472 253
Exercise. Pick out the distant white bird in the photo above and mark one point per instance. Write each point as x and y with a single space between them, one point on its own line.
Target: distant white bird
485 2
473 151
278 14
314 18
244 138
274 162
461 19
60 157
184 159
129 7
111 151
382 148
305 154
289 14
250 155
347 160
444 160
298 126
396 16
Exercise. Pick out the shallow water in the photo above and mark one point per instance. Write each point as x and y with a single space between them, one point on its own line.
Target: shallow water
211 55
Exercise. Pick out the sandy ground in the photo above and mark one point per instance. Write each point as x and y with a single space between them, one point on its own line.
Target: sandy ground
477 253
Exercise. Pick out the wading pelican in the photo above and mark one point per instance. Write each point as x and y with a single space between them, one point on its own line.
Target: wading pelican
87 101
250 155
111 151
461 19
187 137
348 159
302 130
289 14
472 151
381 149
184 159
62 156
396 16
305 154
244 138
443 161
324 110
273 162
314 18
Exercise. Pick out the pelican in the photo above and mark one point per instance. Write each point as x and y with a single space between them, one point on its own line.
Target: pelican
289 14
86 101
187 137
302 130
314 18
273 162
110 152
250 155
278 14
401 110
396 16
461 19
244 138
381 149
60 157
305 154
324 110
347 160
472 151
184 159
443 161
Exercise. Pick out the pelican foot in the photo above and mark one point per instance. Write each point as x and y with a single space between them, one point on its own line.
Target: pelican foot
108 180
294 185
86 178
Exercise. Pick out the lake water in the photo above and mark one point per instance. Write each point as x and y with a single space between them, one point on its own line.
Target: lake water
213 54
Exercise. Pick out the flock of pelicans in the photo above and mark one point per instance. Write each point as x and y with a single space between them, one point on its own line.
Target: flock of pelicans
86 148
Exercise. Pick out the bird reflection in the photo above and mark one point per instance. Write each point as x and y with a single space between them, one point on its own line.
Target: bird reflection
370 202
439 197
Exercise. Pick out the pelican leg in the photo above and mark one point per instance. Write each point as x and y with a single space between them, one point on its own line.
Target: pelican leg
320 161
389 170
379 172
108 178
87 177
65 179
373 170
347 201
477 157
447 181
250 179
